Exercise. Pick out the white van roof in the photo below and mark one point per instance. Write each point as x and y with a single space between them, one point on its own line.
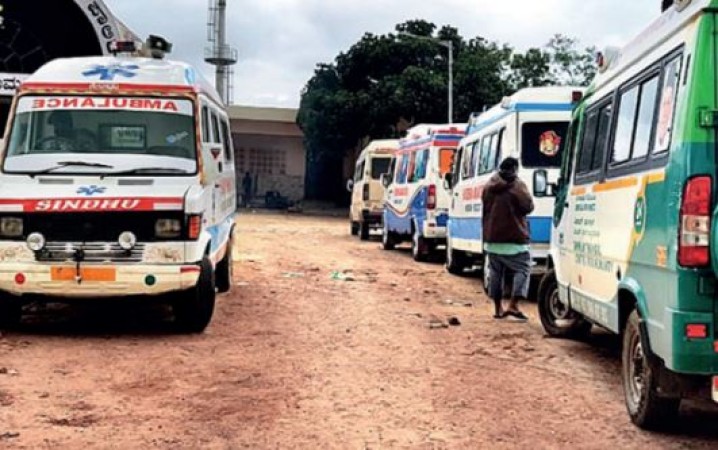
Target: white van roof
381 146
536 99
122 73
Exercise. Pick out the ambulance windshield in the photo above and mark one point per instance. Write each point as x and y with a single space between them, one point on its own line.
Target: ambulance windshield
103 128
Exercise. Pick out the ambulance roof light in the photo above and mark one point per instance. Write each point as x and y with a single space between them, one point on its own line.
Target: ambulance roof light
123 47
158 46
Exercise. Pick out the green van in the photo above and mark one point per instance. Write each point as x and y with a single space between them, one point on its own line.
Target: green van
633 246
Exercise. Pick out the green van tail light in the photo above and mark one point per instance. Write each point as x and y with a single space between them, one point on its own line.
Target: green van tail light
695 223
697 331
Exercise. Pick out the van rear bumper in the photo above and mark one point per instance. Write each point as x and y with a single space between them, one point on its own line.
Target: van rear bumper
689 356
101 281
372 216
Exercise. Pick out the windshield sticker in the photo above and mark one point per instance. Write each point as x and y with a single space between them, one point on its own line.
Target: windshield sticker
550 143
173 139
173 106
124 137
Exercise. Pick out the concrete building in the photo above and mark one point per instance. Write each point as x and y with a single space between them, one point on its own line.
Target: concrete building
270 146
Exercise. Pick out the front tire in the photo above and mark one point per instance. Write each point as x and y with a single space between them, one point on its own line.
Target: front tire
646 408
388 241
363 231
224 270
193 310
558 319
10 312
419 246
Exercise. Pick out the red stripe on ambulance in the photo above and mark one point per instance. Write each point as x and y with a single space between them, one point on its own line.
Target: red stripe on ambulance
70 205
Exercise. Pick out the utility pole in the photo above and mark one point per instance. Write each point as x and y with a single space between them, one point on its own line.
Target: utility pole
450 47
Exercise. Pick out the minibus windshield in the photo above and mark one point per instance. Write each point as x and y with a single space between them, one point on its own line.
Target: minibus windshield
542 143
101 128
379 166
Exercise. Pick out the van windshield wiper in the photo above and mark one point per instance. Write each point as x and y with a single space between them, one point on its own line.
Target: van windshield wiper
145 170
64 164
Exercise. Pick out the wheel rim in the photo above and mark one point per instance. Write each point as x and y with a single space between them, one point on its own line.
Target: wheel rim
636 370
558 310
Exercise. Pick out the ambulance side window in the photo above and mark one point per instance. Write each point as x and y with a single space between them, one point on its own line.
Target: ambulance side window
205 124
215 129
467 159
228 156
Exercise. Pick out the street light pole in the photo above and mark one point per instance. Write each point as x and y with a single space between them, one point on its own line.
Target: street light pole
450 47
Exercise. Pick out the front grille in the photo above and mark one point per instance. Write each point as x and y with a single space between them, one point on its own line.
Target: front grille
97 227
98 253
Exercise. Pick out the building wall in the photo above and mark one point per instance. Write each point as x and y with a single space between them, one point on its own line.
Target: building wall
269 144
276 163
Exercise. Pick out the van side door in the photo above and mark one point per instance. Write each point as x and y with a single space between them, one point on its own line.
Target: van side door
228 180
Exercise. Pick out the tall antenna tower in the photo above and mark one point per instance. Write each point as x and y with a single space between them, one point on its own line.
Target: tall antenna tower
219 53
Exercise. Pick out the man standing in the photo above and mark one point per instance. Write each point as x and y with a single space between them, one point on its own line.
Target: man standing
247 189
506 203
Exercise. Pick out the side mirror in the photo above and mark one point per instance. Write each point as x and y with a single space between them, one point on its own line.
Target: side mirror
350 185
542 188
449 181
386 179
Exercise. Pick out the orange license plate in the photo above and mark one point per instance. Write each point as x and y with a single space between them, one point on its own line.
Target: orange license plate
88 273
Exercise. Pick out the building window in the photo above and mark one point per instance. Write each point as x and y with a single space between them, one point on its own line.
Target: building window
262 161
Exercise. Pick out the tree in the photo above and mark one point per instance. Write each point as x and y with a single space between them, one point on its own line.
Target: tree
384 84
558 63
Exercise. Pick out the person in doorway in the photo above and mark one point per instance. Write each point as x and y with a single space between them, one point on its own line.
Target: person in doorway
506 203
246 189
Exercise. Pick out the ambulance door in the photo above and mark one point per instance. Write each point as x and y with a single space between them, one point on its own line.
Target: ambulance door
584 224
398 195
209 165
463 197
217 166
228 189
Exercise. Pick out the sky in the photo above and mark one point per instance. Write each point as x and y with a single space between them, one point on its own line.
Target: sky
280 42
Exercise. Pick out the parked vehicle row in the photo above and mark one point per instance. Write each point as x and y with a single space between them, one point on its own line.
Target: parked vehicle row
626 194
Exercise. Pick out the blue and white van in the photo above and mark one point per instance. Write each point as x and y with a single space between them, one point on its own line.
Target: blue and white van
531 126
416 201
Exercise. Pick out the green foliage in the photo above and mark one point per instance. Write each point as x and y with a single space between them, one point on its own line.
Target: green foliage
384 84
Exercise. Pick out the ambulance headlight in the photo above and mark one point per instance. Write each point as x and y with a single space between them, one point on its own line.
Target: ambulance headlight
127 240
36 242
168 228
11 227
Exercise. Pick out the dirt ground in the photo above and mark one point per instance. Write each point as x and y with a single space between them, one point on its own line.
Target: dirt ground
325 342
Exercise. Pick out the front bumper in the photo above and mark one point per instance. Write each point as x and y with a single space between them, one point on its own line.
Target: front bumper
97 281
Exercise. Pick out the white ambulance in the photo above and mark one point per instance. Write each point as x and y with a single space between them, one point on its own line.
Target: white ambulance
531 126
416 202
367 205
117 179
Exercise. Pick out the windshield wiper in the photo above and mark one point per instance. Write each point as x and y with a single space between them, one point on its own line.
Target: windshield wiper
64 164
145 170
